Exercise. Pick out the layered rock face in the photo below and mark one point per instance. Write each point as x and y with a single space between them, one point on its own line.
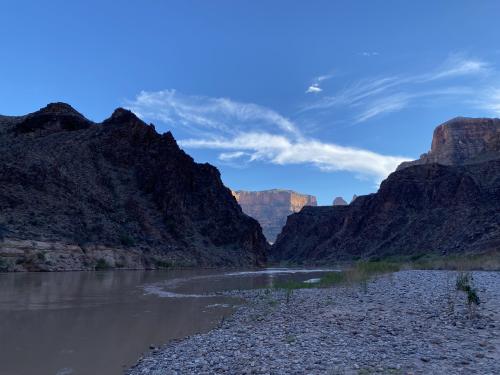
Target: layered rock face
462 140
75 194
421 208
271 207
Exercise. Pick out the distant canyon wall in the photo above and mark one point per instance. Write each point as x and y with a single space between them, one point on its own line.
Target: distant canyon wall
271 207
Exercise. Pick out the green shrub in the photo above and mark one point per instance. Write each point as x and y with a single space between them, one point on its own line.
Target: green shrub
465 284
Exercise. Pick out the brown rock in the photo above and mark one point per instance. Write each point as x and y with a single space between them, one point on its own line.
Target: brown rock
462 140
271 207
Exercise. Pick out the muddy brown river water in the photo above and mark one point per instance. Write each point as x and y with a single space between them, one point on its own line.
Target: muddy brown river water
92 323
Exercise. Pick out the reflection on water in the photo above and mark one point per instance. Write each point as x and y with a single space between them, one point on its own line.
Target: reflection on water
100 322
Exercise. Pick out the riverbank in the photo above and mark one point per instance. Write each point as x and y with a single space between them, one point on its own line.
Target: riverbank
406 322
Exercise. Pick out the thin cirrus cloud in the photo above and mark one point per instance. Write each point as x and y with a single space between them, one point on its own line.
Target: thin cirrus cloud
490 101
371 97
246 132
206 114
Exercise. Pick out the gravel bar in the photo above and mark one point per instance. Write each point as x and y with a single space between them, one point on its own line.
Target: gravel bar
409 322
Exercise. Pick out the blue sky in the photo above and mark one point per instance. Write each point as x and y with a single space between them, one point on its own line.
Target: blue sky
322 97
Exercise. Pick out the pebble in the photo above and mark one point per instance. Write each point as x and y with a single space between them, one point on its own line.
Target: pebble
412 322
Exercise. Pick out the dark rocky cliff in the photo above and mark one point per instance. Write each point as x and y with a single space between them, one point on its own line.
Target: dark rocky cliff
74 194
421 208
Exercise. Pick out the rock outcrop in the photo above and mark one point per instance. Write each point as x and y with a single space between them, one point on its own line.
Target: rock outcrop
462 140
425 207
271 207
339 201
78 195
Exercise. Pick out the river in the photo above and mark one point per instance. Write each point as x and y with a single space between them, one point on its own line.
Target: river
91 323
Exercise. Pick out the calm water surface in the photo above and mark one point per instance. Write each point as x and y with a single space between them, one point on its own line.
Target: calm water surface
92 323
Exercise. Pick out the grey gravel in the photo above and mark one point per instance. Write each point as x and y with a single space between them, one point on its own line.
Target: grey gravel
411 322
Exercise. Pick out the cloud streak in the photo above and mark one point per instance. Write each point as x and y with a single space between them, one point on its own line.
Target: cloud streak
201 113
372 97
246 133
283 151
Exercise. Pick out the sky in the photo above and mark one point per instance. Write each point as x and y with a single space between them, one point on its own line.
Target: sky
321 97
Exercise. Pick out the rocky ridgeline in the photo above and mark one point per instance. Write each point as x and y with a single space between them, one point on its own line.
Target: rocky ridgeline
271 207
446 202
78 195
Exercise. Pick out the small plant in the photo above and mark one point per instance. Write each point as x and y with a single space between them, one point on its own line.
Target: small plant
464 283
289 293
102 264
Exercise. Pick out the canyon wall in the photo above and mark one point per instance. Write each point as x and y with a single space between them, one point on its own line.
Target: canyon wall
423 207
271 207
75 194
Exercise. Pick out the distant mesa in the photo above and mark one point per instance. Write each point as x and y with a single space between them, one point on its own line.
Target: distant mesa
271 207
79 195
339 201
462 140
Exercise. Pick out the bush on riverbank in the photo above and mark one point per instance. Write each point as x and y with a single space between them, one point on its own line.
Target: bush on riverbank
362 271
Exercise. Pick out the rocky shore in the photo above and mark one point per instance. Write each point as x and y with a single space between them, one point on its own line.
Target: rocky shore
410 322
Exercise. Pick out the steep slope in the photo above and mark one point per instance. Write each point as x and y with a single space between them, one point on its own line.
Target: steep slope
271 207
75 194
421 208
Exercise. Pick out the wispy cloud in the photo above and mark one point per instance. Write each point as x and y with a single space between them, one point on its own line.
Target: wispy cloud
386 104
246 132
201 113
489 101
371 97
282 150
457 65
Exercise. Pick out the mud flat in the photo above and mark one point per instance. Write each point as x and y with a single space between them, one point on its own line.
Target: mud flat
410 322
